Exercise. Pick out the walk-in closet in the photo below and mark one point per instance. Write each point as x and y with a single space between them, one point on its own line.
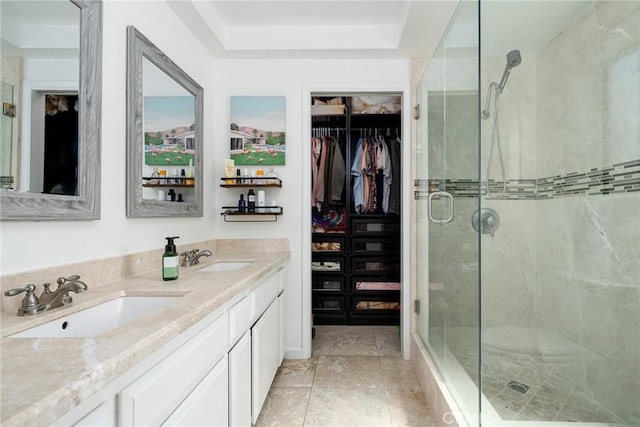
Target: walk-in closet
356 169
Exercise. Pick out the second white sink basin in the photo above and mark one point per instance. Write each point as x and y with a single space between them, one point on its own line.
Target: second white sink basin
99 319
225 266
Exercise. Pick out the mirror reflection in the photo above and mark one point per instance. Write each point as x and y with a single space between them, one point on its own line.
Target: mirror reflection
169 137
40 84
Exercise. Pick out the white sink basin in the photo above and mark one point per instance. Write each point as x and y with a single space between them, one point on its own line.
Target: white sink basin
99 319
225 266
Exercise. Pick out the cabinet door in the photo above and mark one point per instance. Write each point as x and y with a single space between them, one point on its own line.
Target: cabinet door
240 383
264 356
208 403
283 340
155 395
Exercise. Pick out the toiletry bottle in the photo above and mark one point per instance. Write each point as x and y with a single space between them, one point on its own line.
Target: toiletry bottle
238 181
251 201
183 177
171 195
272 174
170 260
241 204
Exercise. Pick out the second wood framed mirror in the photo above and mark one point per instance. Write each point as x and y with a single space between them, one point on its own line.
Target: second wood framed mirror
164 134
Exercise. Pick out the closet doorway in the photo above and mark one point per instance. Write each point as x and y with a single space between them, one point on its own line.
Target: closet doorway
356 209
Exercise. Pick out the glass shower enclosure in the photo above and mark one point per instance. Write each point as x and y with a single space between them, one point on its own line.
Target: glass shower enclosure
527 193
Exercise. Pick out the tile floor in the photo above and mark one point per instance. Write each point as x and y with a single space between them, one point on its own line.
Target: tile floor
355 377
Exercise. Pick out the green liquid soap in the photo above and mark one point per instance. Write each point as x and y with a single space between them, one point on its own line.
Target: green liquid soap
170 260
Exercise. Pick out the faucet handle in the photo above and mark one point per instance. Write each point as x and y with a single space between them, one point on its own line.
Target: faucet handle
63 280
30 303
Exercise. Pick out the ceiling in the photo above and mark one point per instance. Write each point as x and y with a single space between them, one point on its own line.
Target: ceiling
317 28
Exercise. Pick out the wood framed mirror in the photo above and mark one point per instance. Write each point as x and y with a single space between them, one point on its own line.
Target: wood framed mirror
164 134
79 199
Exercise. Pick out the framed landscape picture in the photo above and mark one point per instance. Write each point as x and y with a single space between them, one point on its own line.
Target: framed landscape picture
257 131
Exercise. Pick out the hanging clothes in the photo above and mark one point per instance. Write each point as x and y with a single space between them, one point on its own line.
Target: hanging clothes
338 171
357 193
394 190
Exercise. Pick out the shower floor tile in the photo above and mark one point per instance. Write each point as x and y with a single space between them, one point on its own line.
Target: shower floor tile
550 397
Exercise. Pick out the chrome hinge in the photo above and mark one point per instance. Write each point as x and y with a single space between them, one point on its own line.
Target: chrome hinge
416 306
416 112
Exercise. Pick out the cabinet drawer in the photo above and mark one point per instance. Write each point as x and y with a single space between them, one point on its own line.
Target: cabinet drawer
328 303
374 226
370 284
387 266
332 245
373 246
153 397
375 305
239 319
328 283
263 295
327 264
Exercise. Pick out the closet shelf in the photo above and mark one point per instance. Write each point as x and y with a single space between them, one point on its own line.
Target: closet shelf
262 181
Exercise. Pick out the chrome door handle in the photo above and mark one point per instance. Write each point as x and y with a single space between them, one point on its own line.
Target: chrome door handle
444 195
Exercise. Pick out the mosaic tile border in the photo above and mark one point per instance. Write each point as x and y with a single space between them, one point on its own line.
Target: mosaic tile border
615 179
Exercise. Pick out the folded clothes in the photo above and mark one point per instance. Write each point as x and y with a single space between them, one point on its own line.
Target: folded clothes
377 305
325 246
377 286
325 266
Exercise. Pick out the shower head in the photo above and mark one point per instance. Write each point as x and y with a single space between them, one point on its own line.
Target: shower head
513 60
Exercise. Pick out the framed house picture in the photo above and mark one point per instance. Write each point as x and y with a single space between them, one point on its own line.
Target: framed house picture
257 131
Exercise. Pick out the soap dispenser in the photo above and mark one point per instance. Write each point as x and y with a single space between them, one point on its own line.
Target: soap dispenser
170 260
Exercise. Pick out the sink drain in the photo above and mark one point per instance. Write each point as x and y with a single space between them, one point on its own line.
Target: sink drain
519 387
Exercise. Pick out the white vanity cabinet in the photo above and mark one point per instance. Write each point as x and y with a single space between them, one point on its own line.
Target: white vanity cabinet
162 390
217 373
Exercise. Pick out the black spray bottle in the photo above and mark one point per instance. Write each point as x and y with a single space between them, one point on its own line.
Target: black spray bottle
170 260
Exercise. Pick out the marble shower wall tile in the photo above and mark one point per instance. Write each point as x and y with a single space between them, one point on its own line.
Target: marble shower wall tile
586 78
589 293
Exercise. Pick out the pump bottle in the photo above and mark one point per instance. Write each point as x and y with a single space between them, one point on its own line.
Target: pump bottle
251 201
170 260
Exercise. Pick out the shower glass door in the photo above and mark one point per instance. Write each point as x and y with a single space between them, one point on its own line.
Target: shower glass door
447 197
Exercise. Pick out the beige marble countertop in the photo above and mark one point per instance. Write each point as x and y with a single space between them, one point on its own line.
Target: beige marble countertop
44 378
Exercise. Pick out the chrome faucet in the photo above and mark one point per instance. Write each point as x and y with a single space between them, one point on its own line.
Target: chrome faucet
193 256
31 304
61 296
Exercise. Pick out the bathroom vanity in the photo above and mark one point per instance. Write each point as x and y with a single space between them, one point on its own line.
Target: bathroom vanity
206 359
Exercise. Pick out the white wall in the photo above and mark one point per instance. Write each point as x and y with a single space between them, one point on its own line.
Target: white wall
32 245
284 77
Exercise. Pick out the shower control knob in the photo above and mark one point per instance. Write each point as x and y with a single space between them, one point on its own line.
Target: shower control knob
486 221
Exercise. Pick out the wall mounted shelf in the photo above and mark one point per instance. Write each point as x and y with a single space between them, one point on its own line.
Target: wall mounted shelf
262 214
246 182
165 181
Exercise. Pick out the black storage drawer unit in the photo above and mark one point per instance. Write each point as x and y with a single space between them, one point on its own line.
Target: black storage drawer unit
373 246
328 303
375 265
327 264
328 283
367 226
328 244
